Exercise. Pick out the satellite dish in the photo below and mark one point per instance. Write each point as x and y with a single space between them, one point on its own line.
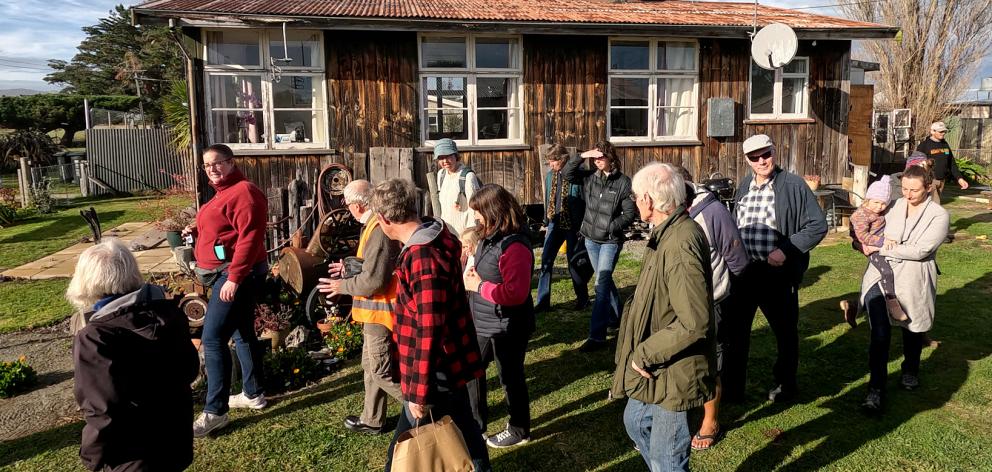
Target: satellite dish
774 46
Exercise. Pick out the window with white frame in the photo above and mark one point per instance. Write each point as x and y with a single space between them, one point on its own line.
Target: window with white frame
782 93
263 92
652 90
471 88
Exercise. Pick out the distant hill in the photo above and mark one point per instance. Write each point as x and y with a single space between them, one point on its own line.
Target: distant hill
18 91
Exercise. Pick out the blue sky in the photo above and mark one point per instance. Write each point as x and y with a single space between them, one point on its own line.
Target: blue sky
33 31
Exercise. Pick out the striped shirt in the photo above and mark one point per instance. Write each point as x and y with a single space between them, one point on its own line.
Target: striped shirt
756 220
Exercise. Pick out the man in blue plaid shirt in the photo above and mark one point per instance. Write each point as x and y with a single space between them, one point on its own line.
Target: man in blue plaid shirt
780 221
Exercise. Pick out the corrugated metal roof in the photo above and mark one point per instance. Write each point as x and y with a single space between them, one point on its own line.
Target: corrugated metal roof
634 12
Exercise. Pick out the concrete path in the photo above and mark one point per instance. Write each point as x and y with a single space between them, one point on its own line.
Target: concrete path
62 263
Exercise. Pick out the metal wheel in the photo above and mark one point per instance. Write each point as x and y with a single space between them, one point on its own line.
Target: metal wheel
338 233
195 308
331 183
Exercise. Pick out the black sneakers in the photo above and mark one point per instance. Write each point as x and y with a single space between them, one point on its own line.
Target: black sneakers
909 382
591 346
506 439
873 401
781 394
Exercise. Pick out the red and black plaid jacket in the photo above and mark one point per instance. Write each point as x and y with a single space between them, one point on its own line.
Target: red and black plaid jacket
434 334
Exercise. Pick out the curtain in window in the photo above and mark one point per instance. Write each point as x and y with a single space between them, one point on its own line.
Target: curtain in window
675 106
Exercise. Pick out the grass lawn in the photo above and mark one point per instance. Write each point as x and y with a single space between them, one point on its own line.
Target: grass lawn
941 426
32 303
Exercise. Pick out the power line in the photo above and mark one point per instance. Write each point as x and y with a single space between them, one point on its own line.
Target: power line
29 63
19 66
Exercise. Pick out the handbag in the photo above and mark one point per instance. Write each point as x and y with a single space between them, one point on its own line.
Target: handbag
207 277
437 447
580 262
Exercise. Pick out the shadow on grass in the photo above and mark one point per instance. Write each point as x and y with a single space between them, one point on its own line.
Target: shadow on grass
57 227
845 429
40 443
962 224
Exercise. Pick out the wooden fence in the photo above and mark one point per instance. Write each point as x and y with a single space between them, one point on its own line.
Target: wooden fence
136 160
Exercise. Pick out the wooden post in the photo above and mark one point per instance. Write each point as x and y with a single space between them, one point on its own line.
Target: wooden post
25 182
861 177
84 178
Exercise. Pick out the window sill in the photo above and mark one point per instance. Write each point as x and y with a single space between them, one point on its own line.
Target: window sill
681 142
483 147
779 121
283 152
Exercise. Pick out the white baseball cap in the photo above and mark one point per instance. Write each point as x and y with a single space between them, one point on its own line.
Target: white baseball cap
757 143
938 126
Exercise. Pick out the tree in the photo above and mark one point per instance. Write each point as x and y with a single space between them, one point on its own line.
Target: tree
942 44
51 111
114 53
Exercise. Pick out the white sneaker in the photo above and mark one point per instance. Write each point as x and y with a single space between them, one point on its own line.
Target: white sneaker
241 401
207 423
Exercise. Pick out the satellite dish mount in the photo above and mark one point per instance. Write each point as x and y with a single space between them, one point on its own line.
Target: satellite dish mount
774 46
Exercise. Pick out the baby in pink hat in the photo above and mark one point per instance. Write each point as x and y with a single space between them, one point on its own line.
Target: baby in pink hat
868 229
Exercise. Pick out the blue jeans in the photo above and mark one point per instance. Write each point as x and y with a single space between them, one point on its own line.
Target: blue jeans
225 320
606 310
455 404
553 239
661 435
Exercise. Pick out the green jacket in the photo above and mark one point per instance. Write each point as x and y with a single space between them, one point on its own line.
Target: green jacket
667 327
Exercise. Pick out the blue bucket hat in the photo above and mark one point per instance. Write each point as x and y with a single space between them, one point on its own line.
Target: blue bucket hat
445 147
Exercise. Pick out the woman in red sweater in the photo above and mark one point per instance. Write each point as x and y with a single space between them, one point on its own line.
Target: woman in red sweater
230 258
502 307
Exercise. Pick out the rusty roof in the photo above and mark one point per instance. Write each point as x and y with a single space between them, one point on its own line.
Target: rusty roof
588 12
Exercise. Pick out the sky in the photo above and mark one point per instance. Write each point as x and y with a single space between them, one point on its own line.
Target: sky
34 31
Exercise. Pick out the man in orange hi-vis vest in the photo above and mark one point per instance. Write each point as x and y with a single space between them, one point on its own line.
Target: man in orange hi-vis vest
373 291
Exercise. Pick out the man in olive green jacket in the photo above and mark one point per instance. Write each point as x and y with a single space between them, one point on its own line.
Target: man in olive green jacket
666 348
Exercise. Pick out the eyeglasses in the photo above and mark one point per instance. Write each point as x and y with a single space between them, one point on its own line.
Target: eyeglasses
765 155
208 165
940 132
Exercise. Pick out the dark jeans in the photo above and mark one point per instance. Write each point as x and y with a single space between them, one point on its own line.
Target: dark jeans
881 338
508 349
225 320
553 239
888 278
772 290
606 309
455 404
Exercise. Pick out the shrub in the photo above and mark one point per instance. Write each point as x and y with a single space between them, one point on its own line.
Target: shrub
345 339
274 317
973 171
290 369
16 377
174 210
41 196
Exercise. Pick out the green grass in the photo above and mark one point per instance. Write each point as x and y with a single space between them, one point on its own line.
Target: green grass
41 235
32 303
941 426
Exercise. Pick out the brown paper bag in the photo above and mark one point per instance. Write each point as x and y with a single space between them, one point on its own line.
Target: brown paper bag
433 447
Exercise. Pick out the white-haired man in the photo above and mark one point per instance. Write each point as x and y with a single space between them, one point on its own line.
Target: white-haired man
373 292
666 347
780 222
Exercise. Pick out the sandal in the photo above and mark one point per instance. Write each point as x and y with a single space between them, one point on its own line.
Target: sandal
713 438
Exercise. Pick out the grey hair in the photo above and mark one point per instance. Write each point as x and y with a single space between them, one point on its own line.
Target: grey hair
105 269
395 200
358 191
663 183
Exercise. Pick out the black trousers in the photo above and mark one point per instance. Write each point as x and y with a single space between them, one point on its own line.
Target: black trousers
773 290
881 338
508 349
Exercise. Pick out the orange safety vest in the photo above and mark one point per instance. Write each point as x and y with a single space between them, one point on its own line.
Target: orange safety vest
379 307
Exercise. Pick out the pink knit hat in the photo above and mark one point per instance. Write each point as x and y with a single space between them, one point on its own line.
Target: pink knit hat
879 190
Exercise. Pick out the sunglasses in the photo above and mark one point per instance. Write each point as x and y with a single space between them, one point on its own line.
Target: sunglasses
765 155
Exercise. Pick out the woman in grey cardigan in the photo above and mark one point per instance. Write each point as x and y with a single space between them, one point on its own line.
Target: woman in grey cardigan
915 226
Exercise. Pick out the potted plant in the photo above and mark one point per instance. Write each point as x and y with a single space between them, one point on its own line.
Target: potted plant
174 210
273 322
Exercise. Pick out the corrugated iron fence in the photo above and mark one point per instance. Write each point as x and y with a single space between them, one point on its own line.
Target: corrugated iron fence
136 160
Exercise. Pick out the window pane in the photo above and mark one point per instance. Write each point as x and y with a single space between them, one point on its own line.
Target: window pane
629 55
793 95
449 124
443 52
494 92
629 122
238 127
499 124
762 90
235 91
445 92
493 53
676 56
303 48
299 126
233 46
797 66
297 91
675 121
628 92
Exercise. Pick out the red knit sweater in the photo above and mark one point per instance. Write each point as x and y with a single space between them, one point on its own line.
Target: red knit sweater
235 217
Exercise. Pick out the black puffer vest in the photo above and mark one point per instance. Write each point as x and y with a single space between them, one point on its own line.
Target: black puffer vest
490 318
